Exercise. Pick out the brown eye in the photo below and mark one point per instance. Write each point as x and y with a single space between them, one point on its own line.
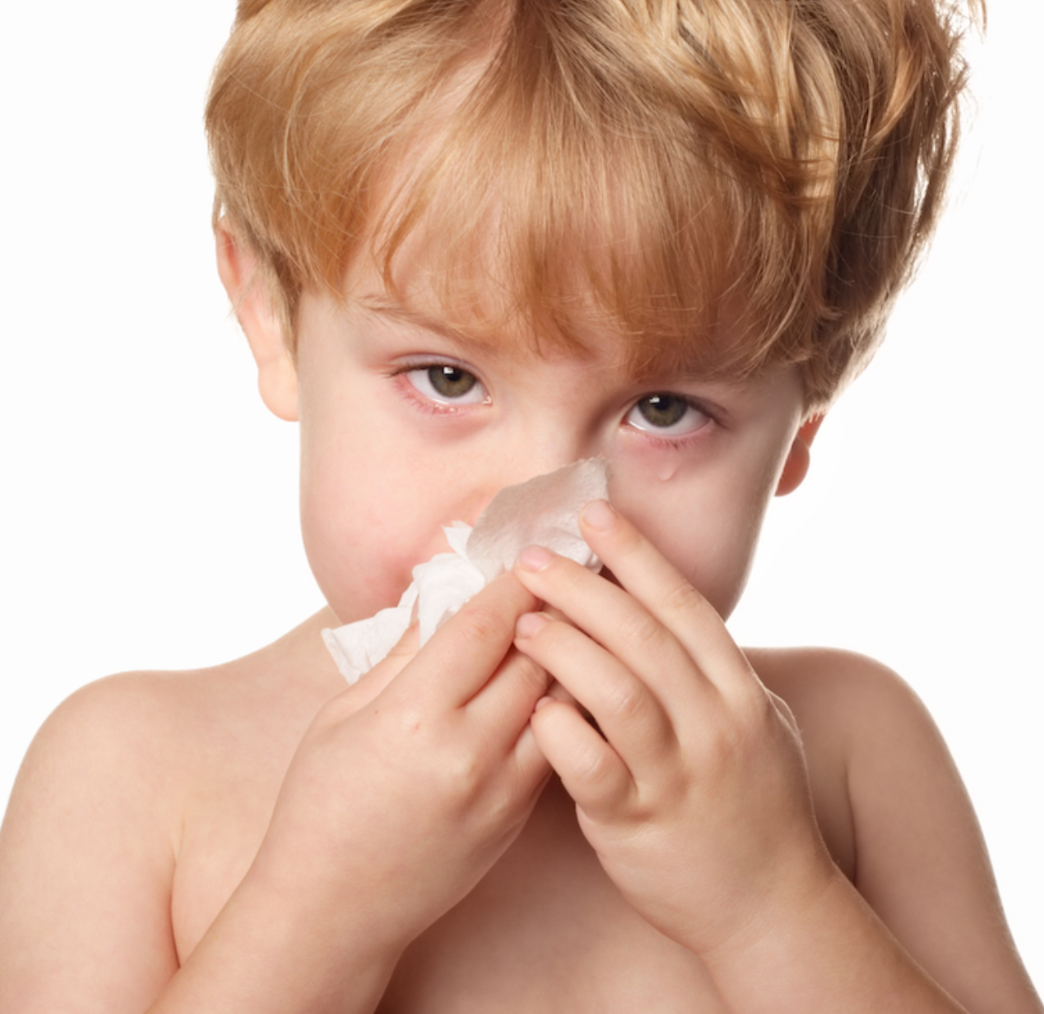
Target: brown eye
447 384
663 409
450 381
666 415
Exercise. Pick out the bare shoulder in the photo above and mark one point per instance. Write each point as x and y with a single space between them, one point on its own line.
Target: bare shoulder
868 726
95 829
159 730
850 705
834 696
917 853
830 682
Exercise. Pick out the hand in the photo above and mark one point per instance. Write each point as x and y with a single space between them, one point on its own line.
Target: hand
695 795
408 786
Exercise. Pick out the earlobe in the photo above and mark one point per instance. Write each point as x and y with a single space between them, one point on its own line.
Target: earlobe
795 468
239 269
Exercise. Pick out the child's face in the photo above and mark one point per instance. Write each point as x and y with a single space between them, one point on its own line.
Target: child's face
407 426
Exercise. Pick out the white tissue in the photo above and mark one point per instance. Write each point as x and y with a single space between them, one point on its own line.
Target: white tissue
543 511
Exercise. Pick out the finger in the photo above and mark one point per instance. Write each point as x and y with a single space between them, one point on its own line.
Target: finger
591 770
505 703
640 568
667 595
627 712
512 692
373 682
531 766
555 690
618 621
465 651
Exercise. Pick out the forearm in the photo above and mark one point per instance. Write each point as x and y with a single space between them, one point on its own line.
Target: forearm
271 954
827 953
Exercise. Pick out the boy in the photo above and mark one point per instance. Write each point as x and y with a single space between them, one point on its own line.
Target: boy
418 856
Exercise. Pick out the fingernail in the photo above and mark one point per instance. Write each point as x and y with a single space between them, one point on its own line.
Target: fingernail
599 515
529 623
534 558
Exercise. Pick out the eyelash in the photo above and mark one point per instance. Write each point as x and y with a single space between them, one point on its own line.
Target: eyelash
425 404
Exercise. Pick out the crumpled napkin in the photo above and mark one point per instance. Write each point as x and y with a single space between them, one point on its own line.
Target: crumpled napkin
543 511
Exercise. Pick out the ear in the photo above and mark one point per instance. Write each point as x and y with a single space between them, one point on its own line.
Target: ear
241 274
795 468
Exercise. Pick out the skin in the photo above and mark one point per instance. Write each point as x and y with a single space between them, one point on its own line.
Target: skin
751 831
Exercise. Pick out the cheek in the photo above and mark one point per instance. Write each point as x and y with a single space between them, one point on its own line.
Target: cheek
363 526
706 525
373 506
361 564
351 548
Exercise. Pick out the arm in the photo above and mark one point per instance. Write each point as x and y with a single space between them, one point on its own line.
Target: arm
696 800
923 864
87 857
402 793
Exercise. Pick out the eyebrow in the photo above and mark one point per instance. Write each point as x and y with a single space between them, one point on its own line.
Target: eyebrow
383 306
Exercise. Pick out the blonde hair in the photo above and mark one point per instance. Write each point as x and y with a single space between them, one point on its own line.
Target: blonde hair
730 183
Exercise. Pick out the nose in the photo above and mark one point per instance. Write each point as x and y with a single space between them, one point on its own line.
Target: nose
517 464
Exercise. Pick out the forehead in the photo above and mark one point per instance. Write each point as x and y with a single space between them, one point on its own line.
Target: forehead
483 328
469 234
474 293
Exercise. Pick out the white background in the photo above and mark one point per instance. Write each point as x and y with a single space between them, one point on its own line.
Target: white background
149 503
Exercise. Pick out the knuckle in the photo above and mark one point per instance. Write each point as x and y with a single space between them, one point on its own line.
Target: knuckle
642 629
739 732
754 708
499 810
460 772
451 772
594 767
684 598
721 752
530 673
625 700
480 623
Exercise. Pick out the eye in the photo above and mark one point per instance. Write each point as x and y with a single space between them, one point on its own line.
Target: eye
447 384
666 415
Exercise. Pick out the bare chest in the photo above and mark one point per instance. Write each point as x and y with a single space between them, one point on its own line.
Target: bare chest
544 931
547 931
